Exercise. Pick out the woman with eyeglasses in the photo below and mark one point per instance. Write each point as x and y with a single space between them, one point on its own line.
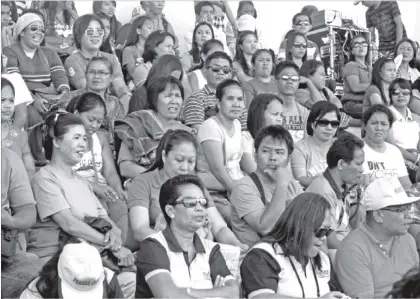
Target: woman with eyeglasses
405 130
246 45
405 59
291 262
40 67
203 32
309 158
178 258
89 33
382 159
383 73
65 201
357 76
176 155
296 48
11 137
197 77
140 131
263 82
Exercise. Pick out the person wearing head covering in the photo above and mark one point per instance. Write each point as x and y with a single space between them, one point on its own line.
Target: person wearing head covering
378 253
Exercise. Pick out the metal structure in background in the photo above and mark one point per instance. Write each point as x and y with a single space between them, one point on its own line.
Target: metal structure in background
333 41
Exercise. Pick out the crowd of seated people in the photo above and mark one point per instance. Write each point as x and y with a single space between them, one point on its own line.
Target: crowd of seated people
132 170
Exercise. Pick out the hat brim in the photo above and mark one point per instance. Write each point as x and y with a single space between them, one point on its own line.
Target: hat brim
70 293
404 200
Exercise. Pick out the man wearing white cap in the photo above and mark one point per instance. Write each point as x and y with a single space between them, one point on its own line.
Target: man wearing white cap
380 252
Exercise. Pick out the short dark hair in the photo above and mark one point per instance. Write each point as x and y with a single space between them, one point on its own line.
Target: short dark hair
375 109
102 59
243 3
159 85
200 5
169 191
402 83
164 66
412 62
301 14
221 88
217 55
153 40
408 286
80 26
133 36
289 45
318 110
309 67
275 132
343 149
6 82
256 110
282 65
86 102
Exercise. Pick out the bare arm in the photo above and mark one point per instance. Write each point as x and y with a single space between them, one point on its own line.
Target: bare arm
219 228
230 290
355 85
240 74
248 164
23 218
192 79
29 163
140 223
130 170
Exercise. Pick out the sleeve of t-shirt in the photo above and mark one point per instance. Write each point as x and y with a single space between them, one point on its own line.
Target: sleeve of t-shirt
246 199
58 74
260 273
249 93
152 259
128 57
350 69
246 143
399 161
49 198
194 111
209 130
218 264
125 154
75 72
370 91
140 74
138 193
353 271
116 67
12 60
299 160
395 9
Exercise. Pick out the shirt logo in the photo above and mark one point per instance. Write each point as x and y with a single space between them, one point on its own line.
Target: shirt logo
71 72
323 273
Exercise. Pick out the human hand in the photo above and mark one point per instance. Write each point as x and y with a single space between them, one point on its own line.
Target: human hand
39 104
121 194
219 282
113 240
244 248
125 257
281 175
332 295
105 192
6 219
303 80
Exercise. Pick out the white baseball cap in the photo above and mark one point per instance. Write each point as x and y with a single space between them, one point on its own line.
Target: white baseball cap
385 192
246 22
81 272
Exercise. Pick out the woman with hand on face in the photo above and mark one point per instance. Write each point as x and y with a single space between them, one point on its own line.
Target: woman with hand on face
309 158
405 59
246 45
173 257
290 262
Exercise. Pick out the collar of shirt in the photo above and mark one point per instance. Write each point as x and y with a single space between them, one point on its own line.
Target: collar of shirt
100 54
174 245
399 117
340 192
381 246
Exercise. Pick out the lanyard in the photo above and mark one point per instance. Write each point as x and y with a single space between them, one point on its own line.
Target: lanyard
300 282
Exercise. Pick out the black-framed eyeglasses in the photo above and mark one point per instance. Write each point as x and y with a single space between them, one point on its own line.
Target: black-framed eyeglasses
100 73
323 232
35 28
303 23
93 32
300 45
290 78
397 92
360 45
324 123
226 70
191 202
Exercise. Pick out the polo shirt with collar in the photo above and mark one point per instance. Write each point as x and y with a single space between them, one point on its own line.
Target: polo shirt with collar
364 270
201 105
76 66
161 253
405 130
354 69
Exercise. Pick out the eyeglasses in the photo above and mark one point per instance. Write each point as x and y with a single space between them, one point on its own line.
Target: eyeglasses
93 32
303 23
324 123
302 45
99 73
290 78
226 70
396 92
360 45
323 232
35 28
191 202
402 209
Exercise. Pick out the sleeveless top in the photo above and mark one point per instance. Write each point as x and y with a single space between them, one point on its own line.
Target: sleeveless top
200 78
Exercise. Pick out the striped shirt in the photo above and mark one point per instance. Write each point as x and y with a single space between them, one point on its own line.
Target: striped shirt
44 68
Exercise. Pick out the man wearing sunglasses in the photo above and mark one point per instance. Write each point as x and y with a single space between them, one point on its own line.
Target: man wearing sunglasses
378 253
302 23
202 103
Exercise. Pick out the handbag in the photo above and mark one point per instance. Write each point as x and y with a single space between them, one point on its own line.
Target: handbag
9 240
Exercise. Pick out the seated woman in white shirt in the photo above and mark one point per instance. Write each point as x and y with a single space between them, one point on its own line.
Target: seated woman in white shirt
405 130
290 263
382 159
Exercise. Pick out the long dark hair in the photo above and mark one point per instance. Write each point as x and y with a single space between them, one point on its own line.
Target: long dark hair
195 50
256 110
412 62
170 139
402 83
351 47
207 46
86 102
51 9
376 74
319 109
260 51
289 44
164 66
154 39
295 228
80 26
239 55
96 7
133 36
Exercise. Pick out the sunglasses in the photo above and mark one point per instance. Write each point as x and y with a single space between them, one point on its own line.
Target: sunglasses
290 78
399 92
191 202
323 232
360 45
302 46
324 123
94 32
99 73
303 23
226 70
35 28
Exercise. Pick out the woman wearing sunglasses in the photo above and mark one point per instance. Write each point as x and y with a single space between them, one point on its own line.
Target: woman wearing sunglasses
178 258
382 159
40 67
291 261
405 130
296 48
309 158
175 155
357 76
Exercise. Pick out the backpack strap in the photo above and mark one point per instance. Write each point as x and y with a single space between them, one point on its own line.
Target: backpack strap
259 185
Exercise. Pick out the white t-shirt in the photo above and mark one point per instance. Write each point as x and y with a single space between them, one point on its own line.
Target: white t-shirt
388 164
404 131
211 129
